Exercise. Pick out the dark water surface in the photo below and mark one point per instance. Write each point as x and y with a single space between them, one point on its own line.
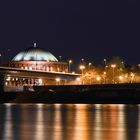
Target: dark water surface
69 122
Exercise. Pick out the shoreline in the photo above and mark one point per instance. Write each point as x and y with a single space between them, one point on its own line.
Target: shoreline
88 94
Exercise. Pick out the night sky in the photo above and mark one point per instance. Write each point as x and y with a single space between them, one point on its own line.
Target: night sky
75 29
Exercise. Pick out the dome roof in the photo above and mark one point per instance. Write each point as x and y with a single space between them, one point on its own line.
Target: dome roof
34 54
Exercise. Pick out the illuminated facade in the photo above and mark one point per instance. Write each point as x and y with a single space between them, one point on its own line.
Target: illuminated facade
34 67
35 58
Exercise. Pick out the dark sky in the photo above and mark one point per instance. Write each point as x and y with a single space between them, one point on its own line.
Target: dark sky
75 29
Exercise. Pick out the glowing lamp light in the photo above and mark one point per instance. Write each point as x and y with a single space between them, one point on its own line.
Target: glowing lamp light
120 77
8 79
104 73
98 78
70 61
77 79
57 79
40 81
89 63
113 65
82 67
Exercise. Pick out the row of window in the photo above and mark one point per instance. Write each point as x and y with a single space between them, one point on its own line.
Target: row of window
57 68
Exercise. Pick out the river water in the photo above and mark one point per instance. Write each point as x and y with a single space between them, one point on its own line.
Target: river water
69 122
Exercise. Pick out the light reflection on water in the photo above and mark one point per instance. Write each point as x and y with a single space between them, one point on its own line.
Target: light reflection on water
69 122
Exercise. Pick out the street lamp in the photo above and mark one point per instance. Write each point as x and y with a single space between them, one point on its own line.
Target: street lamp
89 64
82 60
120 78
113 66
105 62
132 75
35 45
82 67
78 80
40 81
104 76
57 81
98 78
70 62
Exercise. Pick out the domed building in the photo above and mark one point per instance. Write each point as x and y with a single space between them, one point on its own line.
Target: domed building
36 58
35 66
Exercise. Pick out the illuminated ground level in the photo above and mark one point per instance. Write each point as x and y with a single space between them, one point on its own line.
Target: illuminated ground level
16 78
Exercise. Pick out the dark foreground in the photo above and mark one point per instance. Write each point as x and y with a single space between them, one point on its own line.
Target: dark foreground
96 94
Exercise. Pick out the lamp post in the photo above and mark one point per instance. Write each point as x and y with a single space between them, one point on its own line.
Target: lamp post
89 65
120 78
78 80
105 62
82 67
82 60
104 76
70 62
113 66
35 56
98 78
57 81
132 75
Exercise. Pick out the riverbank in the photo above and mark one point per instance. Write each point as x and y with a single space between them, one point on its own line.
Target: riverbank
89 94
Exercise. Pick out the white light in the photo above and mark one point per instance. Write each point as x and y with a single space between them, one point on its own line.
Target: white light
40 81
77 79
8 79
113 65
57 79
6 83
30 68
120 77
104 73
89 64
51 69
98 78
82 67
70 61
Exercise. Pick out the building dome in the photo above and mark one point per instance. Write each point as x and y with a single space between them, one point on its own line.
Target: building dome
35 54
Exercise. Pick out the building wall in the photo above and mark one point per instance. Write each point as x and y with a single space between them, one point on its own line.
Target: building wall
40 65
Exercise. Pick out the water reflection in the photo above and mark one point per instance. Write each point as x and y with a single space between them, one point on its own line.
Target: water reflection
132 122
69 122
7 131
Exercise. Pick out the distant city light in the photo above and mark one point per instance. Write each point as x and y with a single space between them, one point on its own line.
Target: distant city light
78 79
98 78
113 65
57 79
120 77
82 67
70 62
